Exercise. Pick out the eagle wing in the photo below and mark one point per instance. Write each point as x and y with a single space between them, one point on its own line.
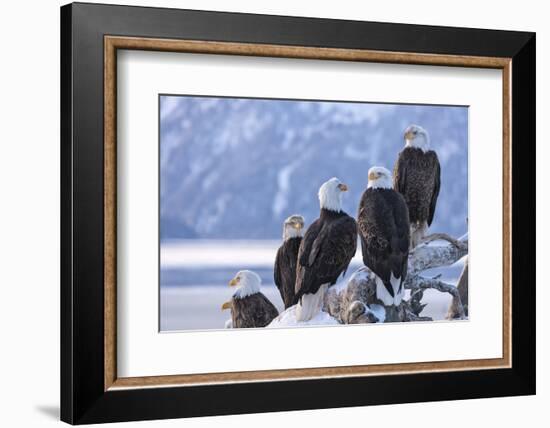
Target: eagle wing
268 312
437 184
284 272
376 227
402 237
324 256
307 243
383 222
253 311
277 275
417 176
400 173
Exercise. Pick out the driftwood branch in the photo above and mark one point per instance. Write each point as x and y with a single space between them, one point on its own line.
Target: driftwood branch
441 237
418 282
425 256
352 302
414 317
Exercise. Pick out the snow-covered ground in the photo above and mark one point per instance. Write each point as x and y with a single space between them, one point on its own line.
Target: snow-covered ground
288 319
195 273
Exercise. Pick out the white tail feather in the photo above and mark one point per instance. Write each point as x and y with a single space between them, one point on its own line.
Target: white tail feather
311 304
383 294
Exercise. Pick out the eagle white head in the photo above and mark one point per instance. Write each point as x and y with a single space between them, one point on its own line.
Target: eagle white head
416 136
293 226
247 283
380 178
330 194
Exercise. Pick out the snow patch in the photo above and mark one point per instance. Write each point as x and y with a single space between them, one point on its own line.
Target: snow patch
459 263
288 319
379 312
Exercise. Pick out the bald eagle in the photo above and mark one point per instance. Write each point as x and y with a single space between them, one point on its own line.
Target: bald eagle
249 307
416 176
326 250
383 222
284 271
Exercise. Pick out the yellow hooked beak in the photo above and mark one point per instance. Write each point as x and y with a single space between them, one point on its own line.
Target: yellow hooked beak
297 226
409 135
227 305
343 187
373 176
233 282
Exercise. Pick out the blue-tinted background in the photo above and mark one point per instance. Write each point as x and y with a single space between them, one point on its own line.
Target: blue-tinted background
231 170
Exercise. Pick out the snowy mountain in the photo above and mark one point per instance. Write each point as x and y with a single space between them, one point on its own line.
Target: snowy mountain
236 168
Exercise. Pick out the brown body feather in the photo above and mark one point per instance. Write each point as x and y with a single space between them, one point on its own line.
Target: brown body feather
417 176
326 250
383 222
252 311
284 271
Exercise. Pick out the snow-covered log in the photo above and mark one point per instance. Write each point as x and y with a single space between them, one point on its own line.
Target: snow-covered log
359 313
287 318
341 301
427 256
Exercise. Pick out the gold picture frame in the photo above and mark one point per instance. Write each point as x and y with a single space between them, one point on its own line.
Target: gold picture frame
114 43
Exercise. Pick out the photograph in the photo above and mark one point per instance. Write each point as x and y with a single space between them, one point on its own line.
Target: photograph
274 210
282 213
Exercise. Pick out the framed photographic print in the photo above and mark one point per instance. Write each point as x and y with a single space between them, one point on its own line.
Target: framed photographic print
265 213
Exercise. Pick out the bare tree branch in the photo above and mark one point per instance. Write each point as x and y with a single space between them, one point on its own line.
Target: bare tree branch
425 257
441 237
414 317
419 282
342 301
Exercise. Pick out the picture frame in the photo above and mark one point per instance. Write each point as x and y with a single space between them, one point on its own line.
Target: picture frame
91 390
